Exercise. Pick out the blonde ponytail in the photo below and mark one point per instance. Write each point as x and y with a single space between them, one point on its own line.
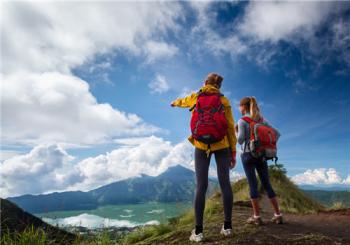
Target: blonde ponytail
254 109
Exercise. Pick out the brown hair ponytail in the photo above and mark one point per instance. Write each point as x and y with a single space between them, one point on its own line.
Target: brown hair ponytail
254 109
251 105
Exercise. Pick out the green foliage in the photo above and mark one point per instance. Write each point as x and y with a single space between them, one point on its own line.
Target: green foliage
104 239
291 198
29 236
144 233
338 206
241 190
277 170
329 198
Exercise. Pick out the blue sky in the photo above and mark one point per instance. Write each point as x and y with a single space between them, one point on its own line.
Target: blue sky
76 98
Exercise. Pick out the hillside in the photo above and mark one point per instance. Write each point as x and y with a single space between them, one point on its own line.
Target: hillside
330 198
176 184
306 221
15 222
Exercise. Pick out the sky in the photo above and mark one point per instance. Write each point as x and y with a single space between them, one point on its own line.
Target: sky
86 87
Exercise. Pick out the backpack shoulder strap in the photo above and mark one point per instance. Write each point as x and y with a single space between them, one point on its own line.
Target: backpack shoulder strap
199 93
247 119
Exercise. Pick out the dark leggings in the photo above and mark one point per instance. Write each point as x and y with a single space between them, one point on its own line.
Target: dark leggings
250 164
201 161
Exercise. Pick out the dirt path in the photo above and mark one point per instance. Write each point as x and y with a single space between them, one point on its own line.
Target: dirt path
312 229
321 228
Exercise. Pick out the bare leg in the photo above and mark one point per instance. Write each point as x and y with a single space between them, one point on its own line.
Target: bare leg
275 205
256 208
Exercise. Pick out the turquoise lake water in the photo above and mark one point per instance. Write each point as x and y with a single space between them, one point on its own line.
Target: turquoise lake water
117 215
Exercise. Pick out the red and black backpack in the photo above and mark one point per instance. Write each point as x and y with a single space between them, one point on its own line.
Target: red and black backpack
263 139
208 121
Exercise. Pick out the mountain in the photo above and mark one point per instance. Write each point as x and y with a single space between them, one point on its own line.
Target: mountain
176 184
307 222
330 198
325 188
15 221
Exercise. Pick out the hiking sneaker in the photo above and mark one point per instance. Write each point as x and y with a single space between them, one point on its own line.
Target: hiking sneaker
225 232
196 238
278 219
255 220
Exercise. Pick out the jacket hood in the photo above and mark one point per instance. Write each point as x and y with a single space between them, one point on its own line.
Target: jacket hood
210 88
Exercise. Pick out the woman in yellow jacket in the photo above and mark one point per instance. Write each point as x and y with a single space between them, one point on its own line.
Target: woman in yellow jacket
225 156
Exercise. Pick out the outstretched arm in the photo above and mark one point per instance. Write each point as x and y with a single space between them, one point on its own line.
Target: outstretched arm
186 102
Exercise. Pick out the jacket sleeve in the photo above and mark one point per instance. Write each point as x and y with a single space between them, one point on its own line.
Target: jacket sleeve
186 102
231 135
241 131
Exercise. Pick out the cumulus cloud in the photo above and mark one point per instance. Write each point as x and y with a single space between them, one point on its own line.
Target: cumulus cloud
95 221
256 33
159 84
43 42
58 36
277 20
44 168
52 107
321 176
151 156
50 168
159 50
347 180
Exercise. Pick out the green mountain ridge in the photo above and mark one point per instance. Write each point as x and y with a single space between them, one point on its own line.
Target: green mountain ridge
330 198
176 184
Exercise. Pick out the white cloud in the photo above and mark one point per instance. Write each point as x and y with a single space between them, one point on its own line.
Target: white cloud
59 36
159 50
256 33
152 156
52 107
44 168
159 84
41 44
235 176
6 154
49 168
94 221
347 180
321 176
276 20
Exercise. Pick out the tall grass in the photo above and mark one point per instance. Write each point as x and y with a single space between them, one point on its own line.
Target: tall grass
145 232
29 236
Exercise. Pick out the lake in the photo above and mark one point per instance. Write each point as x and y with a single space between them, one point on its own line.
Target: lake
130 215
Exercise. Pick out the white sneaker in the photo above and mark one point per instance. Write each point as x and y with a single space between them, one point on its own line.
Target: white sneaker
225 232
196 238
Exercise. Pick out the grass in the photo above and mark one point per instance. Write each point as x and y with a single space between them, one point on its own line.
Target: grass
144 233
338 206
291 198
29 236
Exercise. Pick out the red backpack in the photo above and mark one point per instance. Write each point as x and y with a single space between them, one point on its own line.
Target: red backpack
208 121
263 139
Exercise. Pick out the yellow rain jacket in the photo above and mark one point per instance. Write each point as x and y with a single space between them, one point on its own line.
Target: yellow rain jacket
230 139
